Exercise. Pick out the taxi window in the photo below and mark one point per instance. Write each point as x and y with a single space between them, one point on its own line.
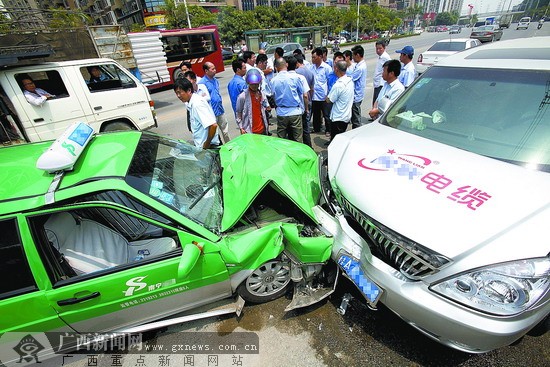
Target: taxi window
92 240
13 262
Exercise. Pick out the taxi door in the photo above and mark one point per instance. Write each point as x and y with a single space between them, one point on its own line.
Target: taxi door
158 275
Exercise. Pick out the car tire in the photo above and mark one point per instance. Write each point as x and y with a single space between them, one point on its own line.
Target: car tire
117 126
267 283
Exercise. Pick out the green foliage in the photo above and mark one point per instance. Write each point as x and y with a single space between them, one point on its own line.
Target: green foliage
63 19
136 27
232 24
446 18
176 16
5 23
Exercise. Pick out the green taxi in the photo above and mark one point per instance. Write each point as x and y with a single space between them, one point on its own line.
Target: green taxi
115 232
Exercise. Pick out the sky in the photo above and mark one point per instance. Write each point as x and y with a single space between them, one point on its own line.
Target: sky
484 6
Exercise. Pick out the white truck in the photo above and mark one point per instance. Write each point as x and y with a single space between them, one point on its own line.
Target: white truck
119 101
60 63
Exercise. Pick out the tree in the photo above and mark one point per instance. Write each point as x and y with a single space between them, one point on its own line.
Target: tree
445 18
232 24
176 16
267 17
64 19
296 15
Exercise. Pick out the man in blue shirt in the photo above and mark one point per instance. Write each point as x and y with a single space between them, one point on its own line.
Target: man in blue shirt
289 98
237 85
321 71
213 86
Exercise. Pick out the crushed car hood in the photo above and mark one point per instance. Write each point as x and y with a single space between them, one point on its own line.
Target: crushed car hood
443 198
251 162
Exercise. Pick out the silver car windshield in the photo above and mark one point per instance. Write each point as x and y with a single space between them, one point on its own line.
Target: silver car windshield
502 114
179 176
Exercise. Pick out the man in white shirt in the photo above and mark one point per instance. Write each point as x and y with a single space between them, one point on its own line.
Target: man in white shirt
390 91
35 96
383 56
408 71
203 120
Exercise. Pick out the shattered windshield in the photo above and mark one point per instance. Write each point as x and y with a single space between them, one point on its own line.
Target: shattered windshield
179 176
502 114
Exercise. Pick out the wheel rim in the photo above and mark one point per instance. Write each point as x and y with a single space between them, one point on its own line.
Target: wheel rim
269 278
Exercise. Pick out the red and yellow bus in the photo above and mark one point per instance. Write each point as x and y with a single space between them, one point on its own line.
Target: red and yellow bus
196 45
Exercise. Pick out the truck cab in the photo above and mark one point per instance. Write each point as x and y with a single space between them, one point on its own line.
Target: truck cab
115 100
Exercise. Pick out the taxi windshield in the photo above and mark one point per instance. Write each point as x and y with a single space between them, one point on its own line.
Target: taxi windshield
180 176
502 114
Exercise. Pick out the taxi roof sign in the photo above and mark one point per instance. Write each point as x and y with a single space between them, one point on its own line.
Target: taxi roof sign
65 150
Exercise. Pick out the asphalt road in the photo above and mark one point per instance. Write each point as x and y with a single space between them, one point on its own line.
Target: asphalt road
317 335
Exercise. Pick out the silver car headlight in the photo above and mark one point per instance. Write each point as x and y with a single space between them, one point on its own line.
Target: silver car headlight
503 289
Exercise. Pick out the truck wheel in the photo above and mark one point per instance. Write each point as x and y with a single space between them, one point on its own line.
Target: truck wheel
117 126
270 281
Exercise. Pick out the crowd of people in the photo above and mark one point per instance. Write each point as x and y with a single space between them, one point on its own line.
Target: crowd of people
321 96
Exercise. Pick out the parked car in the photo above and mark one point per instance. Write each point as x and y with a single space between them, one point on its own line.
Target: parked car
288 47
441 49
130 228
455 29
227 54
523 23
449 226
487 33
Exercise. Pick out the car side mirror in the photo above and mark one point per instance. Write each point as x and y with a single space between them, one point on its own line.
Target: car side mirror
188 260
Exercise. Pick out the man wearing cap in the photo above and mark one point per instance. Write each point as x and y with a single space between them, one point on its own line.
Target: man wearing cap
408 71
251 106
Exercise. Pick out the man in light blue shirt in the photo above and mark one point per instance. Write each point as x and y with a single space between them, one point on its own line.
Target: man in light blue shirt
408 71
341 97
391 89
289 97
213 87
359 77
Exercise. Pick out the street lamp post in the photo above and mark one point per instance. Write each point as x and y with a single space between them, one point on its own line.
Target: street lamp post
187 13
357 27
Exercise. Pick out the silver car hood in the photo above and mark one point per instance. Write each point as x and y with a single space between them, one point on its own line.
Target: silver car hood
446 199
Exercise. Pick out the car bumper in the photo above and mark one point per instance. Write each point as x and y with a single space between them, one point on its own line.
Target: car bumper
436 317
483 38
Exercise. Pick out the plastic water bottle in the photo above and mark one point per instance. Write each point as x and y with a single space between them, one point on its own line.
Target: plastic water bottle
344 305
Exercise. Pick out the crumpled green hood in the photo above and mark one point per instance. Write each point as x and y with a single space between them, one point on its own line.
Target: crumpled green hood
250 162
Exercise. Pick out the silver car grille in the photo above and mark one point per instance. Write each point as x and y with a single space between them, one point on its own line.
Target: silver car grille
411 259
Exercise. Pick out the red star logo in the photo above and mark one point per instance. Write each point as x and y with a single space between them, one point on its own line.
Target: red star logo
391 151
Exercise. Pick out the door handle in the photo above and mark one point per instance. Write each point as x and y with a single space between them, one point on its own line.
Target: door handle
72 301
38 119
97 108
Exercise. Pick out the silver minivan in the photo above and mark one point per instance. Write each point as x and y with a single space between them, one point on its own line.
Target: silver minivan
440 208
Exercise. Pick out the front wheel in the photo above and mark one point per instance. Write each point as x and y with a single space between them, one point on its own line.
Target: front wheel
267 283
117 126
